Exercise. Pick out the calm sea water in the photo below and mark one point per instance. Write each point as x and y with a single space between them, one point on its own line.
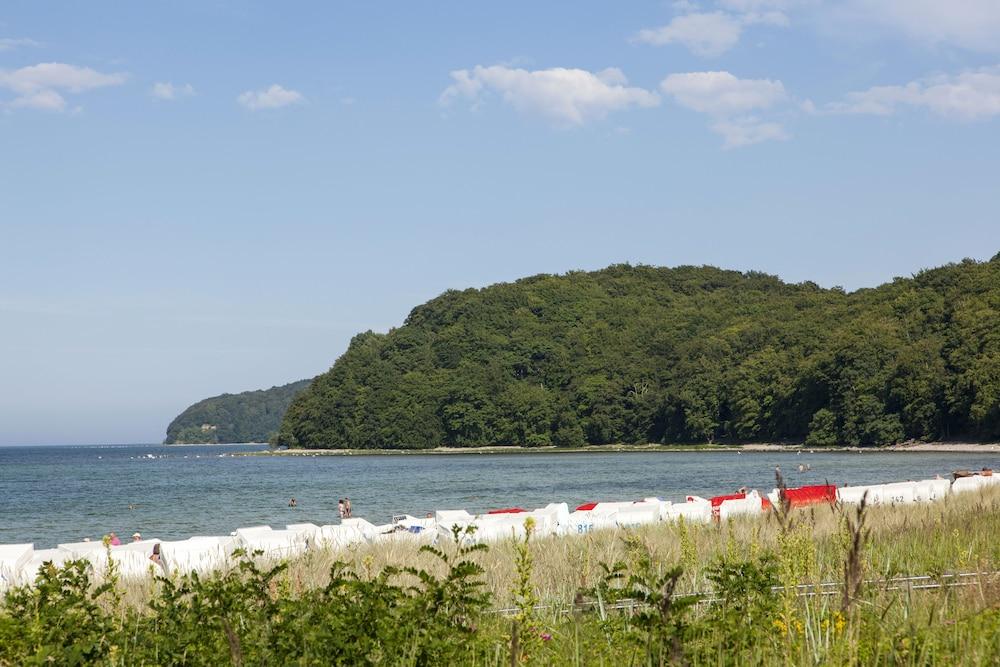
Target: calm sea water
62 494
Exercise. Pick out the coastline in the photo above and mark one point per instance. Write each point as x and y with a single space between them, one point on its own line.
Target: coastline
921 447
209 444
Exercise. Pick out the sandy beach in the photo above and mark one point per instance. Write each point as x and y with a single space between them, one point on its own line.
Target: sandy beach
939 447
967 447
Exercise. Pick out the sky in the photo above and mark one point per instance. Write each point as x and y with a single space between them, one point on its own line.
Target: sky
200 197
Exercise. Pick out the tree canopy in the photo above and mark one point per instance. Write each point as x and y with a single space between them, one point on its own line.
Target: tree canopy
252 416
636 354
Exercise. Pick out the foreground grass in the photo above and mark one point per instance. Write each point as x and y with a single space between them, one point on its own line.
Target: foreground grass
613 598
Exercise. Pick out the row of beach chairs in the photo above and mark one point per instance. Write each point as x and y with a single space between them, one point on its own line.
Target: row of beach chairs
20 563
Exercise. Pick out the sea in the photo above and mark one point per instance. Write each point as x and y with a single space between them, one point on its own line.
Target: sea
51 495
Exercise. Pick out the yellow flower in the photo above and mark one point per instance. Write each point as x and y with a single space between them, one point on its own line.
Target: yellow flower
778 623
839 623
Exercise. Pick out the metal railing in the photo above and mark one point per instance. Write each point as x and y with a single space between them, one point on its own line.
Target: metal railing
920 582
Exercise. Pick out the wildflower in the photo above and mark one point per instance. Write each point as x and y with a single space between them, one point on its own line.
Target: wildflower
839 623
545 636
780 625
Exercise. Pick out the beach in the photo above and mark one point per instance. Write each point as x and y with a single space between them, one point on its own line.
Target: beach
949 447
66 494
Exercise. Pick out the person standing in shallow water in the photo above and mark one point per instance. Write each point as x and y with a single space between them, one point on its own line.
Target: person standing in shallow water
340 508
347 507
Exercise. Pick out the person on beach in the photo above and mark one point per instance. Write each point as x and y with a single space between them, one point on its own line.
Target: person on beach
347 507
340 508
113 540
136 536
293 503
155 556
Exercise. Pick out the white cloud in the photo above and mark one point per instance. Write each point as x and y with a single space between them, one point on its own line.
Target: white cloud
971 24
164 90
751 6
721 93
11 43
46 100
972 95
747 130
42 86
58 75
564 96
710 34
712 27
272 98
779 19
729 101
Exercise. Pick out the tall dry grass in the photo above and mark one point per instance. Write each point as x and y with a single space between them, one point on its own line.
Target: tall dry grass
960 533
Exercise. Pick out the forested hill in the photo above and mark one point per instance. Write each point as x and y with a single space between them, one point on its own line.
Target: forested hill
252 416
689 354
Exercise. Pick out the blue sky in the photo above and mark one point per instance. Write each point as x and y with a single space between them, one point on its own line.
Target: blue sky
199 197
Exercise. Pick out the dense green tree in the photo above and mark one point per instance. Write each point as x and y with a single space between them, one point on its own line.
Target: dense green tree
253 416
645 354
823 429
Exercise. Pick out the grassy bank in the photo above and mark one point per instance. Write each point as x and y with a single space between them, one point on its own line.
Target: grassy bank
614 598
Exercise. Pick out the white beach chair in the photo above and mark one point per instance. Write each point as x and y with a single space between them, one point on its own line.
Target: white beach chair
750 504
13 557
632 515
273 543
899 493
201 554
973 483
695 509
29 571
852 495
